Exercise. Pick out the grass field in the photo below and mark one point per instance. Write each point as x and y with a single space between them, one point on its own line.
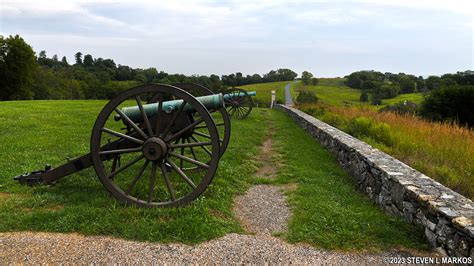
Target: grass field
333 91
329 212
264 91
442 151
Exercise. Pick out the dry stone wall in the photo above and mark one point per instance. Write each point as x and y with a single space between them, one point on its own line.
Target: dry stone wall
447 217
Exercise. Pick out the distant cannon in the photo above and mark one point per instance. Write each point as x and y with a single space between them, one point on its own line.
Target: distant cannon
238 102
169 141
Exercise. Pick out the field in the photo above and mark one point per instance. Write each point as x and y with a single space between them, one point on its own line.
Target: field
334 92
264 91
329 212
442 151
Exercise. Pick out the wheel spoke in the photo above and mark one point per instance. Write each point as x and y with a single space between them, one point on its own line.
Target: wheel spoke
152 182
182 157
130 122
173 120
144 116
123 136
203 147
167 182
125 167
192 150
179 133
159 115
121 151
189 144
182 154
181 173
201 134
135 180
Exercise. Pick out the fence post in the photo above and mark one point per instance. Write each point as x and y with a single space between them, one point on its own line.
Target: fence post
273 99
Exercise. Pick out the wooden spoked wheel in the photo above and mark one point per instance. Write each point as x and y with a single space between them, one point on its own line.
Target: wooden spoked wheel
239 104
152 173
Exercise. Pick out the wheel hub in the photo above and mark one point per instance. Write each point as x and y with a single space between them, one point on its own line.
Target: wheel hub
154 149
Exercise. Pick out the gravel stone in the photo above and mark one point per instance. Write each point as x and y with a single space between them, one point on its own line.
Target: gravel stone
263 210
56 248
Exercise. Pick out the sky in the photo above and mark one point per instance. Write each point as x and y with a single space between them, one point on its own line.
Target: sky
327 38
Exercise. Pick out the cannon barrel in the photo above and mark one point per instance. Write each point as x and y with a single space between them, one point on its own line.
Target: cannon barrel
240 94
214 101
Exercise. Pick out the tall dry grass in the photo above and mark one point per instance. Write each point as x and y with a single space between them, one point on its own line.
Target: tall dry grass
443 151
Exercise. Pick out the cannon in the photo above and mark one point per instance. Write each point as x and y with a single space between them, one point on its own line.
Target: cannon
238 102
153 145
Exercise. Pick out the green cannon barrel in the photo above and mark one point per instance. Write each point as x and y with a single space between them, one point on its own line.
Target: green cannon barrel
210 102
240 94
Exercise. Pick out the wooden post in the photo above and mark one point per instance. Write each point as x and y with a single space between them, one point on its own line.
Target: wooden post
273 99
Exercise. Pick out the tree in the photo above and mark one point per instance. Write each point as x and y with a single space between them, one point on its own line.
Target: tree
369 85
407 85
17 67
64 61
88 60
452 103
364 97
78 57
306 77
314 81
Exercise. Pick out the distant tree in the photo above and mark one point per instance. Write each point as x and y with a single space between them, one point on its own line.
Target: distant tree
364 97
387 91
78 57
17 67
88 61
369 85
452 103
314 81
55 58
64 61
306 78
407 85
433 83
376 99
354 81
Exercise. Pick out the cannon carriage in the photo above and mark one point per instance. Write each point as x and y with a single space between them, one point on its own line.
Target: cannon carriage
154 145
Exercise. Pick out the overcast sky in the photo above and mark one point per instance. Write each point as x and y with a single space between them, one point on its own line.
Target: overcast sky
327 38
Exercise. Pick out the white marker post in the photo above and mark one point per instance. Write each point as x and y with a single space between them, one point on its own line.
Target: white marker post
273 99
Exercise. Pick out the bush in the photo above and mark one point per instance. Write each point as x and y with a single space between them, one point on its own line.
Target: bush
387 91
364 97
452 104
366 127
376 99
405 107
306 97
314 81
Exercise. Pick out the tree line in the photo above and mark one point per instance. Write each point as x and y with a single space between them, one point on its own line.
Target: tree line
449 97
23 75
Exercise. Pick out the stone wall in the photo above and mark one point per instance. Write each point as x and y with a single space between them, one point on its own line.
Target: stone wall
448 217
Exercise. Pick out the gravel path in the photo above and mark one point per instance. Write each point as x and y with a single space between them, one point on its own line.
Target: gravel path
288 98
55 248
262 210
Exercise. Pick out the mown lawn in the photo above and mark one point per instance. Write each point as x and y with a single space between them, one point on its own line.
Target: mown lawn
38 132
329 212
264 91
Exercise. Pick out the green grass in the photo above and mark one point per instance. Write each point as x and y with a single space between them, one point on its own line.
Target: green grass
414 97
333 91
328 210
264 91
38 132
